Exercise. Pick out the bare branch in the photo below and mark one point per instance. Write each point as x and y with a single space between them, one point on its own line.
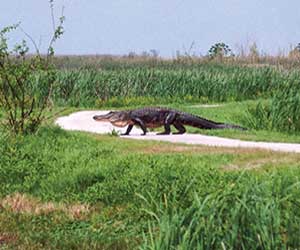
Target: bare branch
31 39
58 31
52 15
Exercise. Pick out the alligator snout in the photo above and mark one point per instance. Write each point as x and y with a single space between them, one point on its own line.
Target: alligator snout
99 117
106 117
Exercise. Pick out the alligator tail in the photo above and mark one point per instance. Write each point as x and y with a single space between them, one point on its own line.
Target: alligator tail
229 126
199 122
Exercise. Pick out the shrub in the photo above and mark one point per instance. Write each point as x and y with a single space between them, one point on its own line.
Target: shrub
26 82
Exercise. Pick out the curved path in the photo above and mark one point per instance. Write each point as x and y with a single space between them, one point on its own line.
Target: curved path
83 121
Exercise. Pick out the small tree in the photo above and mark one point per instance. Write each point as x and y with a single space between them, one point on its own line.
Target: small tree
26 82
219 51
254 53
297 47
295 52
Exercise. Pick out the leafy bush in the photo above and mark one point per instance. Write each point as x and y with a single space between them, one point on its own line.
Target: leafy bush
26 82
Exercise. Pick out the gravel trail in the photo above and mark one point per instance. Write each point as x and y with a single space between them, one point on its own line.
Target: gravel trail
83 121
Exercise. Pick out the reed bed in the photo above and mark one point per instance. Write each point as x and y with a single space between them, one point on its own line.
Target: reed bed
89 87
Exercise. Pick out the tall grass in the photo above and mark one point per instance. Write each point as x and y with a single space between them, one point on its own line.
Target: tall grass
207 83
247 213
282 113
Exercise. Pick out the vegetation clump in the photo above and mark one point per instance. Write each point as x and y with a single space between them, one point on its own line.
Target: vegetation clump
26 82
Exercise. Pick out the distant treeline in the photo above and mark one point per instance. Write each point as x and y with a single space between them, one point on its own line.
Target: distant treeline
292 60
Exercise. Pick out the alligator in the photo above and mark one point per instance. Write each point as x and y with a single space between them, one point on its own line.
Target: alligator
153 117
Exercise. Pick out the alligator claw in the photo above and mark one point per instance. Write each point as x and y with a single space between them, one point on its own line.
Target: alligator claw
178 133
163 133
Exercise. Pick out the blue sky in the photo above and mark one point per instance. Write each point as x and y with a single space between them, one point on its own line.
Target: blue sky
121 26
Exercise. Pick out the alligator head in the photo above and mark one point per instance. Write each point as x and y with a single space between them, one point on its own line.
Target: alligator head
117 118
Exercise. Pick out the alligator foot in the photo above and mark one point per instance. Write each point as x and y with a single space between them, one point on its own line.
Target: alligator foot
178 133
163 133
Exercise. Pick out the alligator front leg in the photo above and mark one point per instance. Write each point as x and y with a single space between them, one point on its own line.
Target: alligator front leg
141 124
167 130
129 128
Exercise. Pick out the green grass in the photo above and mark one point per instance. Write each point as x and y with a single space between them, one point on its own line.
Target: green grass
27 166
72 190
142 190
248 213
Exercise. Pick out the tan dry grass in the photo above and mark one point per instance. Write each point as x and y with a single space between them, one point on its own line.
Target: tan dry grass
283 59
7 238
22 203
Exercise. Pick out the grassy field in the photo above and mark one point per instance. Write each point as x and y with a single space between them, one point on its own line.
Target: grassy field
73 190
62 190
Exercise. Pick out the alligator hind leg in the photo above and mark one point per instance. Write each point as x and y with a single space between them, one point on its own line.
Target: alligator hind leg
167 130
181 129
169 120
